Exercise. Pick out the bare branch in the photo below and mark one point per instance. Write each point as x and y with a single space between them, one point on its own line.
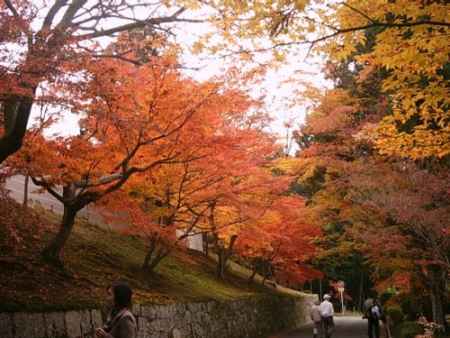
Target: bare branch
11 8
101 181
49 187
139 24
359 12
70 13
52 13
343 31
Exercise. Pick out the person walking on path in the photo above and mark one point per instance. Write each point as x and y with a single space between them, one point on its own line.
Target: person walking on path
327 313
316 317
120 322
373 314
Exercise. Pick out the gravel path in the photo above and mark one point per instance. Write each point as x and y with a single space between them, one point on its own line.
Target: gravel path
345 327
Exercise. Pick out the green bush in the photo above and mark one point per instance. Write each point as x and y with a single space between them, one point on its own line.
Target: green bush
442 335
395 314
387 295
408 330
412 306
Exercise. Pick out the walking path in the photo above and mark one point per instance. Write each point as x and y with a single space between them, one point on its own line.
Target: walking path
345 327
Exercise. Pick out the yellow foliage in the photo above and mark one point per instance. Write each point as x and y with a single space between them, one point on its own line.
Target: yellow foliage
414 55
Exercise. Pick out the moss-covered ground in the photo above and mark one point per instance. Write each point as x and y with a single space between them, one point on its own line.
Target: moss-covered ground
94 257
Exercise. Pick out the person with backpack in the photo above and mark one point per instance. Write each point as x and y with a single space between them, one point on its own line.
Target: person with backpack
120 323
316 318
374 314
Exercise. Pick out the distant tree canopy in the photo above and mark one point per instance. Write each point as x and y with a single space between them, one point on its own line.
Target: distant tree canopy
376 177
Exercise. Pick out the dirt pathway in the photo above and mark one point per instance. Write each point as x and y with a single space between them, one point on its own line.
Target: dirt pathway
345 327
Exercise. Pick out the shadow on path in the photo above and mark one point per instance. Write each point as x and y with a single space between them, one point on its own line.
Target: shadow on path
345 327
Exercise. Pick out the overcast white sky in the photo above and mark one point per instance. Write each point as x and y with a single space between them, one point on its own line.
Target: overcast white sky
277 90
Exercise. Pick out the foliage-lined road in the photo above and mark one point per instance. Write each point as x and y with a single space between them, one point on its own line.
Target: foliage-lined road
167 148
346 327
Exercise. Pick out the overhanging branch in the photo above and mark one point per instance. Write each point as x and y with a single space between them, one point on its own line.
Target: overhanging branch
139 24
11 8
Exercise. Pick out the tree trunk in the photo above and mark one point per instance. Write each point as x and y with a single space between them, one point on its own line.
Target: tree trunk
205 243
153 261
223 254
361 292
437 307
53 252
158 258
154 256
437 293
221 264
252 276
148 256
320 289
17 113
25 192
147 260
222 260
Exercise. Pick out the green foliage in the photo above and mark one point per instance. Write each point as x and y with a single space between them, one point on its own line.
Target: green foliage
396 314
310 182
408 330
412 306
442 334
387 295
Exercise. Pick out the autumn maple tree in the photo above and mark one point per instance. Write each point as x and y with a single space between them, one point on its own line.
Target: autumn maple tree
405 39
217 195
47 38
40 41
134 121
280 243
368 204
236 206
177 197
44 40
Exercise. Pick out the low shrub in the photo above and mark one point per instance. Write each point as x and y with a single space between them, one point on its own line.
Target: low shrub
408 330
396 315
413 305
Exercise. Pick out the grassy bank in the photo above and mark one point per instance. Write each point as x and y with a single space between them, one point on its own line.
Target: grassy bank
94 257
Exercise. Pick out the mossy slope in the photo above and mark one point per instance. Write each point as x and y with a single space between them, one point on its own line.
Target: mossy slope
94 257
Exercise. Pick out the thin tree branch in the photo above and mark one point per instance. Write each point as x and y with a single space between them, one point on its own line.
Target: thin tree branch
11 8
52 13
359 12
343 31
70 13
47 186
140 24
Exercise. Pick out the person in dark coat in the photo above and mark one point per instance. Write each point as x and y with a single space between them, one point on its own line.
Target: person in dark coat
120 322
374 314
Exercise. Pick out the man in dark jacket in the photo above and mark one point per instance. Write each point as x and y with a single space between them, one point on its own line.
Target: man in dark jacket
373 313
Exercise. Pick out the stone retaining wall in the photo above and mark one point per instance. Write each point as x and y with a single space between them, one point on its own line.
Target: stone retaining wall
250 318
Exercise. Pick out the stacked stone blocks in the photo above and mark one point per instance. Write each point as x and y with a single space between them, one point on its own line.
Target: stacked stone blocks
247 318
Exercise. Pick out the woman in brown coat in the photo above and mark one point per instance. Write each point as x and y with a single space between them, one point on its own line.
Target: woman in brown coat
121 322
